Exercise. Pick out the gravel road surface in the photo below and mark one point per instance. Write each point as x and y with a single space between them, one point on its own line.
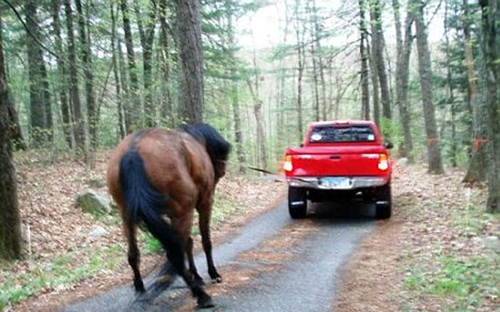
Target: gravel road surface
273 264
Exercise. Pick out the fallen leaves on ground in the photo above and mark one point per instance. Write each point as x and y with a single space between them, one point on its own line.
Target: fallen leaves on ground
439 224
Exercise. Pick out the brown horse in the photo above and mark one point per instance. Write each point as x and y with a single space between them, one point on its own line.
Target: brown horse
157 173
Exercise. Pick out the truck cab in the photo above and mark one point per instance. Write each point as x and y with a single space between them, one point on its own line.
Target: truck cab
338 160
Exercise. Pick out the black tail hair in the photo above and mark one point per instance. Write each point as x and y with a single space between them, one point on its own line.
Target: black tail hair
144 205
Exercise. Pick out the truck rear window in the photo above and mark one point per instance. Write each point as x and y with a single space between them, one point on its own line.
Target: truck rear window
333 134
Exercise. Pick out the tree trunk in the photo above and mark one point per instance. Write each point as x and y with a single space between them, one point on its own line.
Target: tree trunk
316 82
10 223
320 61
147 62
238 137
300 60
125 99
450 96
281 73
63 75
425 73
478 162
375 85
323 87
167 110
114 59
92 114
41 115
403 47
365 87
78 120
299 31
140 25
314 57
16 135
378 43
191 102
257 110
490 37
235 103
134 116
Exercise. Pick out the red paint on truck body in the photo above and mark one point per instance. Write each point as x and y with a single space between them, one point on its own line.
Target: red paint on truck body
338 155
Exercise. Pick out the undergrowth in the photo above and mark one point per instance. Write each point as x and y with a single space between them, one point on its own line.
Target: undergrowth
59 274
463 282
457 280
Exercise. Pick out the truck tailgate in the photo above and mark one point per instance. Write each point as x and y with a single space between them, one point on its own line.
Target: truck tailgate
337 161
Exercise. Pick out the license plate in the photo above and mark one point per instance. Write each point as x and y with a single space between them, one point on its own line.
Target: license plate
336 183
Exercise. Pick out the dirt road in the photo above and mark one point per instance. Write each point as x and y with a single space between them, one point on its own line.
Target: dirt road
272 264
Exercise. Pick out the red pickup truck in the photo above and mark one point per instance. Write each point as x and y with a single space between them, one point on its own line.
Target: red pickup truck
338 160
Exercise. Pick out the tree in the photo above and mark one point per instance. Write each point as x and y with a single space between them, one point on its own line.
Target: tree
257 110
167 110
301 59
450 94
416 9
403 50
375 84
78 119
40 104
365 89
490 37
235 103
116 73
317 35
191 102
147 39
478 162
10 226
378 44
62 74
92 112
133 114
86 56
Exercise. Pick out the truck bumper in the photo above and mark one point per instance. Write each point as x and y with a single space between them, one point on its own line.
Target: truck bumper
337 183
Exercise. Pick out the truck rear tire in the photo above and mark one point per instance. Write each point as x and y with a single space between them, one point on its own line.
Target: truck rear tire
383 202
297 202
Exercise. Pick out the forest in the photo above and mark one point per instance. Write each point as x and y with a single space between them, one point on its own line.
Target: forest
77 76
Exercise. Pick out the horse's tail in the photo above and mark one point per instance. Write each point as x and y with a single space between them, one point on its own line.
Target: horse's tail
144 205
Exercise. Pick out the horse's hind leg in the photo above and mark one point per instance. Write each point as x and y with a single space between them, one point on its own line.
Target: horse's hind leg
192 265
204 223
175 258
134 255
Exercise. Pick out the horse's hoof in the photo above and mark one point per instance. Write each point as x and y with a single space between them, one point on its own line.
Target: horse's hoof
204 302
139 287
217 280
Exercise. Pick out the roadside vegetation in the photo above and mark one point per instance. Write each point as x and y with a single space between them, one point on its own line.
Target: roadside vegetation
439 252
452 261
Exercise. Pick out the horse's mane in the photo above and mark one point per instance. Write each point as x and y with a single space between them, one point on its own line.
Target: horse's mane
217 148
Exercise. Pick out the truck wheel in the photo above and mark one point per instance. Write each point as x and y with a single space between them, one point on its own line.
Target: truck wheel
297 202
383 202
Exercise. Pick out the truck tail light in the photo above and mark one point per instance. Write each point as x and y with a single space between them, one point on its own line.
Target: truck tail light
383 163
287 164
